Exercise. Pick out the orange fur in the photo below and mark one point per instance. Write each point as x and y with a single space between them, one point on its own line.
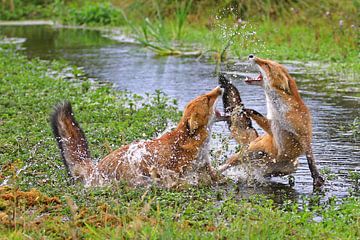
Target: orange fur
181 152
288 126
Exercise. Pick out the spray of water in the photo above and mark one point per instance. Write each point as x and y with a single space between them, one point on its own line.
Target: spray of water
15 175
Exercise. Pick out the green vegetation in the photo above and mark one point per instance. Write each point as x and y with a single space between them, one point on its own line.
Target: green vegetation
92 14
120 212
283 30
30 159
355 178
28 92
26 9
352 129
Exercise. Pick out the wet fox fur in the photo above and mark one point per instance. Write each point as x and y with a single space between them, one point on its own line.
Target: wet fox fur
287 125
178 154
239 122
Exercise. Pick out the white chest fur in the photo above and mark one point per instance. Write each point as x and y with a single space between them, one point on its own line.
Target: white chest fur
277 110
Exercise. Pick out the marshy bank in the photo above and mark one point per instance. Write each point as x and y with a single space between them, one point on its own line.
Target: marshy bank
29 159
119 211
128 106
131 68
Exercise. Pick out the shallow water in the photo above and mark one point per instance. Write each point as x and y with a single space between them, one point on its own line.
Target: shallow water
135 69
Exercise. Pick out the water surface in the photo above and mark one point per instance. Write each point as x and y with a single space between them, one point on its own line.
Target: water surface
135 69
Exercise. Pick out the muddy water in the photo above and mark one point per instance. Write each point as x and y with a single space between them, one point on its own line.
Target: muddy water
137 70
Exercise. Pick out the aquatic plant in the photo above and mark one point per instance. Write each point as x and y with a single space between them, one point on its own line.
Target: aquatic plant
181 14
351 129
278 25
155 34
354 176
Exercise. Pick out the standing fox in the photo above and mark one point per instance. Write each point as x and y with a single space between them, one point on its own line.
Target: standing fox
181 154
287 126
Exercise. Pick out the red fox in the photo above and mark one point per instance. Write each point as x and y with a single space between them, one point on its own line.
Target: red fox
179 154
287 126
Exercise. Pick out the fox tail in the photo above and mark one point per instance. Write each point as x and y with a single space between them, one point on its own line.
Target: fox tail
72 143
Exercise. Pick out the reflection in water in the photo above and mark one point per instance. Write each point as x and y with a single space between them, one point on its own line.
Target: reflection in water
137 70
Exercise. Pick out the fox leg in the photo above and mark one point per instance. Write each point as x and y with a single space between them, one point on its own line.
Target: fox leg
318 180
253 159
212 172
262 121
259 151
232 161
72 143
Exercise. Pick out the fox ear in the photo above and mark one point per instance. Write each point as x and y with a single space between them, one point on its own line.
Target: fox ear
285 85
192 124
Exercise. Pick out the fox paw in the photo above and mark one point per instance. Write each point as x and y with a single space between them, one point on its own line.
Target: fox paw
215 175
318 182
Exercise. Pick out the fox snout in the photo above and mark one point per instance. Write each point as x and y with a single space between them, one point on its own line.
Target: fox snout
255 60
216 92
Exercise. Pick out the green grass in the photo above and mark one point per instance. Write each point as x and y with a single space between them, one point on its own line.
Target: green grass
109 118
26 9
91 14
28 95
305 30
204 213
323 31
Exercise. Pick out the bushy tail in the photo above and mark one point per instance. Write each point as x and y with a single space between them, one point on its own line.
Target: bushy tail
72 142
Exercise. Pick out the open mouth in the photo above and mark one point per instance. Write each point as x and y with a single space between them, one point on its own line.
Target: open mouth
217 116
217 113
255 81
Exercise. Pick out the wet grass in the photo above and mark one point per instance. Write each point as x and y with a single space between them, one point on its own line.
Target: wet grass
29 90
121 212
29 159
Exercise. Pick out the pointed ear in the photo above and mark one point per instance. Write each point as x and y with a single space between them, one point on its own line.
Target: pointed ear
192 124
285 85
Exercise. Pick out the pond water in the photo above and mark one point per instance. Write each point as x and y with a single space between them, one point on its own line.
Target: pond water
133 68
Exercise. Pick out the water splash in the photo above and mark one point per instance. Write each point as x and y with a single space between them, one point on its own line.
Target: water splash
16 174
237 31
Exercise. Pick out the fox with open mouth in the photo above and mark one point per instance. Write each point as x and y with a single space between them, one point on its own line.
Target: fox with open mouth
288 127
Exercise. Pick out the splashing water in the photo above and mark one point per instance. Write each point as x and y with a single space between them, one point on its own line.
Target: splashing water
238 32
33 152
136 70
